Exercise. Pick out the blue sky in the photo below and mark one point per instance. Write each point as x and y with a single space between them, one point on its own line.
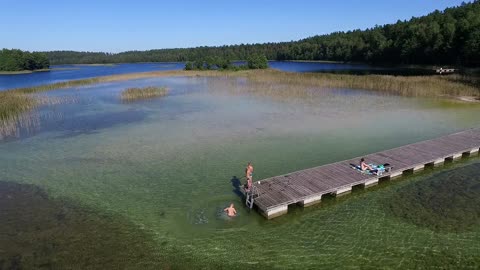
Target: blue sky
114 26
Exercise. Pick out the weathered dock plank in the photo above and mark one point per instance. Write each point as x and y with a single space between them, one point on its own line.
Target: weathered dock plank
306 187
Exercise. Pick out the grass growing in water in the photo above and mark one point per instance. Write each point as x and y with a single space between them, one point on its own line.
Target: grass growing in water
12 107
426 86
448 201
14 104
17 111
132 94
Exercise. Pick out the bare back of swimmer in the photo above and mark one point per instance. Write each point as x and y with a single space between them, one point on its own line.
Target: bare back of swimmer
231 212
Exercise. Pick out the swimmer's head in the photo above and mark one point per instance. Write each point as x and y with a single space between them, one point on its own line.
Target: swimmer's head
231 205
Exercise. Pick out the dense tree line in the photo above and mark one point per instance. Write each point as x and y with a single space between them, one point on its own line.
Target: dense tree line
451 36
17 60
254 61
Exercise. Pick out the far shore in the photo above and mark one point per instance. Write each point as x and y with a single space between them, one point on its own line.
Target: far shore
96 65
317 61
33 71
24 71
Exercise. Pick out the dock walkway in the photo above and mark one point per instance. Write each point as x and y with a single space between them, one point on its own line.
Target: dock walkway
306 187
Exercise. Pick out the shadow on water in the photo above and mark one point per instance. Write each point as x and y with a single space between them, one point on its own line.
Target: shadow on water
38 232
237 186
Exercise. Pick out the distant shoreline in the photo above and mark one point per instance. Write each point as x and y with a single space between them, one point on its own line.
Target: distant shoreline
24 71
96 65
33 71
400 66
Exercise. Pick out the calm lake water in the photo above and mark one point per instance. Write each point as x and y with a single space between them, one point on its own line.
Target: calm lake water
60 73
143 184
73 72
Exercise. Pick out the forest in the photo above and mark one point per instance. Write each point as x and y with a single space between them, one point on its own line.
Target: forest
448 37
18 60
253 61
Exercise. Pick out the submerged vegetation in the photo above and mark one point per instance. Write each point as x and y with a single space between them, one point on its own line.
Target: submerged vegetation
448 37
448 201
132 94
45 233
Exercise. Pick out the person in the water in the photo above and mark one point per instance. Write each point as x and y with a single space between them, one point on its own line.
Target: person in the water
249 175
231 212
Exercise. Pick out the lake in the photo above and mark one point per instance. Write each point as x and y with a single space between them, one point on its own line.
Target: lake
93 182
61 73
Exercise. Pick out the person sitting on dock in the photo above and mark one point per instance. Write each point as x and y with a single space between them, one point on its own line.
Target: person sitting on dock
231 212
364 166
249 175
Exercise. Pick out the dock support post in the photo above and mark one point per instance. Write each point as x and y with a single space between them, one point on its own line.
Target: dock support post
457 156
275 211
418 168
396 174
438 162
311 200
371 182
343 191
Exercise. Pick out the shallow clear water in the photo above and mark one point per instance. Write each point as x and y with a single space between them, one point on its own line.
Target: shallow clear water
166 165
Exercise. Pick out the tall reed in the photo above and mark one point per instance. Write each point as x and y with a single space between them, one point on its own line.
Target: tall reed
13 106
449 85
425 86
133 94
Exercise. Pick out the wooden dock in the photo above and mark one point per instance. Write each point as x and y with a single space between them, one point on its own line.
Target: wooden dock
306 187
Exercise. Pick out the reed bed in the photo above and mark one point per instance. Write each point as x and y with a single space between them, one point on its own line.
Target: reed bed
416 86
13 106
17 111
133 94
426 86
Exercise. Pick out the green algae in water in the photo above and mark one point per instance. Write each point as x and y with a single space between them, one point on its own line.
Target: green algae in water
37 232
169 168
448 201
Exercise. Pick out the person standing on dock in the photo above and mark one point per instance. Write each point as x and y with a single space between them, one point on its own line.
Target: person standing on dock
249 175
